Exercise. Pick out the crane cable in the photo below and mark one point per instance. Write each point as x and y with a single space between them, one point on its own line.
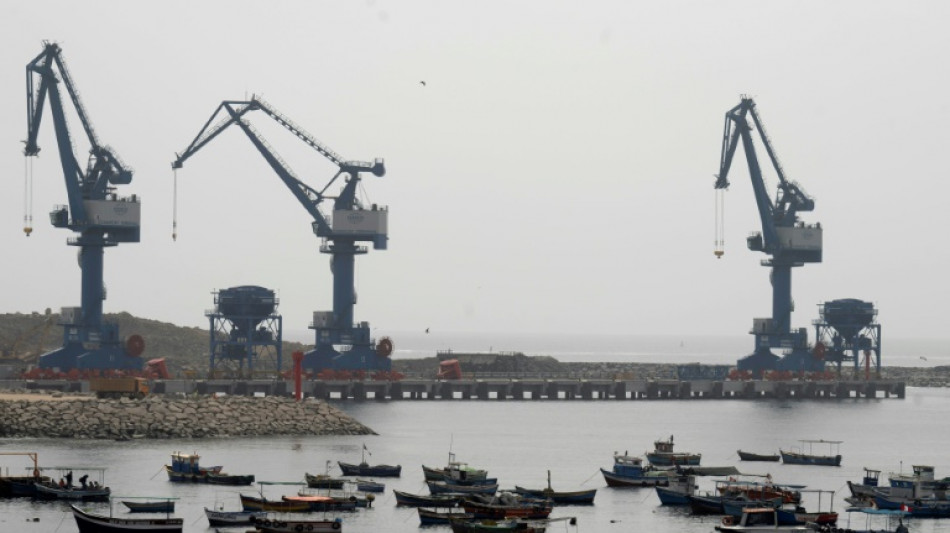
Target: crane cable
720 223
175 206
27 196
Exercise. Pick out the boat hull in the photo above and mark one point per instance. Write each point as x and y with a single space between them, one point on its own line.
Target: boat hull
92 523
794 458
580 497
297 526
613 480
150 507
435 516
748 456
418 500
364 469
47 492
670 496
232 518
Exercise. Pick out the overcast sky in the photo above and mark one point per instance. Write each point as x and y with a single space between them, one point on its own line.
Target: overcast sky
553 175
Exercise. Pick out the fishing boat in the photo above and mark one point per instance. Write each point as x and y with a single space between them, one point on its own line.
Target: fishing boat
429 516
444 487
23 485
507 506
757 490
318 503
322 481
366 469
220 517
220 478
454 471
678 490
875 521
663 455
86 491
157 506
489 526
255 503
186 467
577 497
368 485
755 519
419 500
628 471
868 486
297 526
749 456
94 523
800 457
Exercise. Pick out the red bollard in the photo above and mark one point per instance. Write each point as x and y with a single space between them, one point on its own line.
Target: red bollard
298 370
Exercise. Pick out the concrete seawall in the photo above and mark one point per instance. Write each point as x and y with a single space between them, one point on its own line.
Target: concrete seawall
160 417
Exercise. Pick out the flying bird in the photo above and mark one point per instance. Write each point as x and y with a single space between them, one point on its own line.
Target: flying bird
427 330
423 83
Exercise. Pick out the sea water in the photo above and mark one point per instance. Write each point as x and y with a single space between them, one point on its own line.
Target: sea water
520 442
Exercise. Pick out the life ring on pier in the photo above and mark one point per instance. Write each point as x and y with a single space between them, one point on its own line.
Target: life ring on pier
384 348
298 528
309 527
266 523
728 521
336 525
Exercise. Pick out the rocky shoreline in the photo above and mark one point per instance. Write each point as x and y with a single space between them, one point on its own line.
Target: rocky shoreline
160 417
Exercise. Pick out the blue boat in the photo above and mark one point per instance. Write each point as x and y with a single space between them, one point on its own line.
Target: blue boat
577 497
663 455
366 485
628 471
368 470
442 516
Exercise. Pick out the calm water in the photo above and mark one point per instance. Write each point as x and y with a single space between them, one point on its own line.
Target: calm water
518 442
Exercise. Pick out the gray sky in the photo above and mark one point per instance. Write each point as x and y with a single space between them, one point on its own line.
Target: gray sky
555 173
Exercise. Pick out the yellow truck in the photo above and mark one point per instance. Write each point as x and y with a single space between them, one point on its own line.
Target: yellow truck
126 387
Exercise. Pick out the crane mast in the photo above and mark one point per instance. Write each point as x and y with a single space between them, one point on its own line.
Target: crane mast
95 212
350 223
788 241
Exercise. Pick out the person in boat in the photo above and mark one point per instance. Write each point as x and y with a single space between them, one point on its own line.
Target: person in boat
901 528
69 479
62 483
82 480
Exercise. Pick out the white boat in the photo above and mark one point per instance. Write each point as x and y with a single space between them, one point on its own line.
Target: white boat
94 523
221 517
758 519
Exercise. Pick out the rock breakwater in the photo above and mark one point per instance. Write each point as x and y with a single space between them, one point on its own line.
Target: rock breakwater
158 417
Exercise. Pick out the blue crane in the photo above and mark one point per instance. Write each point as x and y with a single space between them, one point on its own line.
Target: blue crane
351 222
788 242
95 212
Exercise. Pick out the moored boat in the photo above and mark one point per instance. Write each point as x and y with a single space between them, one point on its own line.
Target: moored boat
420 500
489 526
756 519
628 471
220 478
441 515
792 457
577 497
444 487
317 503
186 467
297 526
368 485
255 503
749 456
321 481
663 455
366 469
220 517
94 523
157 506
502 508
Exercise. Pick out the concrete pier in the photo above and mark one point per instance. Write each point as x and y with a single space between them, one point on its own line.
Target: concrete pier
501 389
